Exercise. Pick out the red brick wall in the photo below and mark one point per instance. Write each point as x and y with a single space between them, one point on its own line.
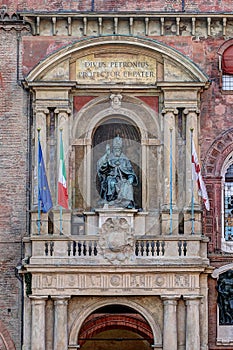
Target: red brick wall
119 5
13 175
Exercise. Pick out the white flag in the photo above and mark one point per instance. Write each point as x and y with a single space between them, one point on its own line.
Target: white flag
196 172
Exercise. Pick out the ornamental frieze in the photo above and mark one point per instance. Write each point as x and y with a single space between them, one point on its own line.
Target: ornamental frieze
89 283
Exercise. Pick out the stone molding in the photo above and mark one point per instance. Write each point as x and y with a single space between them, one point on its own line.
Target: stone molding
109 283
152 22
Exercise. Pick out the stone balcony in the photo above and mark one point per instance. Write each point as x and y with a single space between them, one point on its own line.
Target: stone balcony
111 237
95 250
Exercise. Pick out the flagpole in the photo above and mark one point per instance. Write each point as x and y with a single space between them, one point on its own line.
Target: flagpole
192 190
170 181
38 179
61 221
60 205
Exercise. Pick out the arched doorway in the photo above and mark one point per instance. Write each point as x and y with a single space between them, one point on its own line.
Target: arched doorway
113 327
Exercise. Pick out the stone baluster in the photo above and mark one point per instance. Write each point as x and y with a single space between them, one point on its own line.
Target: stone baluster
192 322
170 321
60 322
38 322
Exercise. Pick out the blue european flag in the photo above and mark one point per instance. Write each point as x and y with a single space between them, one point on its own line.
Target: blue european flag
44 194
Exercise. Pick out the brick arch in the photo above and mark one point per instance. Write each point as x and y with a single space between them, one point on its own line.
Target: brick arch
217 154
225 46
98 323
6 342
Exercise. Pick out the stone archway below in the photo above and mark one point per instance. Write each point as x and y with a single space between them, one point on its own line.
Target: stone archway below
108 327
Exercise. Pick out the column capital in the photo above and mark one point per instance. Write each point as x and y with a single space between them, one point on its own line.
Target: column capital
60 299
192 110
192 299
62 110
172 111
41 109
170 299
38 299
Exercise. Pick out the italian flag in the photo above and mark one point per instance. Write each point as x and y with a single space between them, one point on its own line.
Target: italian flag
62 184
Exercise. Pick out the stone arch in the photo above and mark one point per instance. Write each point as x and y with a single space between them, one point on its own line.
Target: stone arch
106 322
85 118
225 46
217 154
190 69
221 270
6 342
157 334
98 111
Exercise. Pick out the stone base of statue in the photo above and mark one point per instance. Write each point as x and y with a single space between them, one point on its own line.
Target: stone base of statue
118 230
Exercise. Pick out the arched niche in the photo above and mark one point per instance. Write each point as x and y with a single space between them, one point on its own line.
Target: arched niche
95 125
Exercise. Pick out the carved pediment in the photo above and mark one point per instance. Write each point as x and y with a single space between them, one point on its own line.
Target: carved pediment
124 60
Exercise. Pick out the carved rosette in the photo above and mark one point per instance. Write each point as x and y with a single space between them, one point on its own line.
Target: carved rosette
116 241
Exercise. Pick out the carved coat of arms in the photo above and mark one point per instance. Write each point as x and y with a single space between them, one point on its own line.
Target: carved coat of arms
116 240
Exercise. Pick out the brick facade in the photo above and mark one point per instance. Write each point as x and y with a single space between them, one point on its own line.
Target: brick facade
20 52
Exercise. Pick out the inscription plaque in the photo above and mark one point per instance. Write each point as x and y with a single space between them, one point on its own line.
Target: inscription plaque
115 69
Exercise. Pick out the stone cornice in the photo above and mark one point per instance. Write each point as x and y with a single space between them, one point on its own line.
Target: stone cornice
208 18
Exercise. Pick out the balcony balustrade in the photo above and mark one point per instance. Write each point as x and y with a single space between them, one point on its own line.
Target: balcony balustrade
85 250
